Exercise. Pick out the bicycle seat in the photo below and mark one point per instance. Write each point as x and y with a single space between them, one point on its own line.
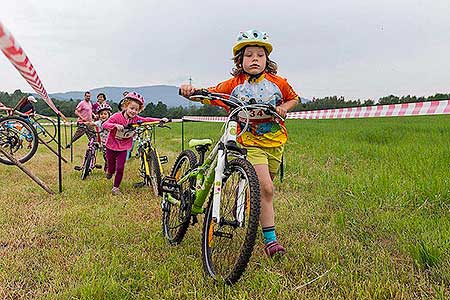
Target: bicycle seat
194 143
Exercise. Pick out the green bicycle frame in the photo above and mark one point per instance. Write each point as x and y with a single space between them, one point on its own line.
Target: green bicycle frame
204 177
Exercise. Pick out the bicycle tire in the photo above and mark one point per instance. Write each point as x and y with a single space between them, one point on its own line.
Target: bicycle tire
175 218
48 132
86 165
224 233
155 173
11 139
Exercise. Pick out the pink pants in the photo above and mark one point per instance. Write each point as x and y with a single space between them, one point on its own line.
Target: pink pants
116 164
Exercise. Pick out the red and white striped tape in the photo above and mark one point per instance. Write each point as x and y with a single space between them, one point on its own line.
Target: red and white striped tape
390 110
21 62
204 119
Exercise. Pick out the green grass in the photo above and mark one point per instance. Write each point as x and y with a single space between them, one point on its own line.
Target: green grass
363 211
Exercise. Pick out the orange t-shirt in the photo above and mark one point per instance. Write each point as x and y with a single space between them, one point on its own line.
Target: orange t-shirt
263 130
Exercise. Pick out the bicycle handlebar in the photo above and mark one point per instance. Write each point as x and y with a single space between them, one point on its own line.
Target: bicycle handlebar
160 124
205 94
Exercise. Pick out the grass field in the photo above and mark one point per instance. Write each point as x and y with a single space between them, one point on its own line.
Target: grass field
364 211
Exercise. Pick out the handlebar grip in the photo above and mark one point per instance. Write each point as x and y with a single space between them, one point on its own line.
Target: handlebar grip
270 109
201 92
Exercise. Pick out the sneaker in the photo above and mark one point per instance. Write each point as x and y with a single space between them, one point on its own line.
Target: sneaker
67 146
77 168
98 166
108 176
116 191
274 249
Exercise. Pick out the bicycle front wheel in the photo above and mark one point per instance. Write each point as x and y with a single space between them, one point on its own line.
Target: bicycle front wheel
227 243
155 172
18 138
46 129
176 206
86 165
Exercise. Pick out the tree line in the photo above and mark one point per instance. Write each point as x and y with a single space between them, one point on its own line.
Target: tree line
159 110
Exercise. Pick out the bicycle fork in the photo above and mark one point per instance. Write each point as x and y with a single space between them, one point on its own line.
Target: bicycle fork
219 176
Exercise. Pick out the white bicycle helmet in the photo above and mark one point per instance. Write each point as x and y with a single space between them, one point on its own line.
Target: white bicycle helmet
104 106
252 37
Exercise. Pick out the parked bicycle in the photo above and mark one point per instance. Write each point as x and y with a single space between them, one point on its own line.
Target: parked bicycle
18 138
45 126
151 162
90 156
227 177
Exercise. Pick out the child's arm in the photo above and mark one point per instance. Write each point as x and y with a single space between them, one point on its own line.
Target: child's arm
111 123
225 87
285 107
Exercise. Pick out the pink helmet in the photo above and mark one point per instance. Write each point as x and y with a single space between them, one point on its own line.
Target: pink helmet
135 96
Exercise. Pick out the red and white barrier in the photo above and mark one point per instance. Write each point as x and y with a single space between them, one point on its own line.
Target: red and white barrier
204 119
390 110
21 62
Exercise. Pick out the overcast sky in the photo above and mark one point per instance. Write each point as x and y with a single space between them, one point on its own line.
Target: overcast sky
352 48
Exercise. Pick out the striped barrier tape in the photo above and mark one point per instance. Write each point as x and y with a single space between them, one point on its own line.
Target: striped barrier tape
391 110
21 62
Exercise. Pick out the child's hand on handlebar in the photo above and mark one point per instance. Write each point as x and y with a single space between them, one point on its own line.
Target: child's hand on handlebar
119 127
186 90
281 111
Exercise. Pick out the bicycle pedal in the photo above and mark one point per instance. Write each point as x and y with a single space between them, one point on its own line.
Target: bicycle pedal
163 159
139 184
169 184
223 234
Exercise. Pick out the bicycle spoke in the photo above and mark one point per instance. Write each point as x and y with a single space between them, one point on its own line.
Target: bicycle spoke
228 243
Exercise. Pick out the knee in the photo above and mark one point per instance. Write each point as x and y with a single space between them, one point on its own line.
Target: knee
266 191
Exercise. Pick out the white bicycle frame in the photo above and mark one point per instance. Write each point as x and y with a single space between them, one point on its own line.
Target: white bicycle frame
229 135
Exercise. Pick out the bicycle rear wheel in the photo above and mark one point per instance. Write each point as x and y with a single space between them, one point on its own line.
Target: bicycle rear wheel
46 129
86 165
155 172
227 244
18 138
177 206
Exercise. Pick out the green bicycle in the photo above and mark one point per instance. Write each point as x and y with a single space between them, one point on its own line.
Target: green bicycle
151 162
227 177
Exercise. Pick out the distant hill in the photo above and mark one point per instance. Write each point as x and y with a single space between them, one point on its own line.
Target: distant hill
167 94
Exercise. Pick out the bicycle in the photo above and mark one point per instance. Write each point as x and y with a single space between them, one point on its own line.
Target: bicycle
90 157
232 213
151 162
45 126
14 133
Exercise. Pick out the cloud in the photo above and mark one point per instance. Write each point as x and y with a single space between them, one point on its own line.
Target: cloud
359 49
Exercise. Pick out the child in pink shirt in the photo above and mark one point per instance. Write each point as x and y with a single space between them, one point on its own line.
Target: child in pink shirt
120 139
